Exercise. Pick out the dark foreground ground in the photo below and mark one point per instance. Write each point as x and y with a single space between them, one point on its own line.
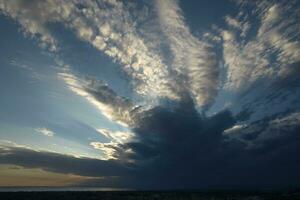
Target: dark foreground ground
132 195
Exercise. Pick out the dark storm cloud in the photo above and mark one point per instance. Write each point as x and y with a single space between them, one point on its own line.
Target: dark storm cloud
60 163
169 131
173 146
176 148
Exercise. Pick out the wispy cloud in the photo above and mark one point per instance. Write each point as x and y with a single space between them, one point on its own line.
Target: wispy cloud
102 97
108 26
112 149
108 149
45 131
260 134
194 60
269 54
120 137
32 16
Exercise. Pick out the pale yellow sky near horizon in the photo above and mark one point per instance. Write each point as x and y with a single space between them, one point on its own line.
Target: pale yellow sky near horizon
14 176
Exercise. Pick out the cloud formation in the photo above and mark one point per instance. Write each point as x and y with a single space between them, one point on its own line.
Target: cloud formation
102 97
32 20
108 26
60 163
179 149
269 54
193 60
45 131
170 144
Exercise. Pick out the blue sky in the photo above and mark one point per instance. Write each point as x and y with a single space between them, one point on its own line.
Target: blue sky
133 87
34 97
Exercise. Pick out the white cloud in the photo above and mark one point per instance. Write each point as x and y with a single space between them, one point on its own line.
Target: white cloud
108 26
116 136
114 108
269 54
45 131
193 59
114 29
108 149
32 18
116 35
233 22
242 26
234 129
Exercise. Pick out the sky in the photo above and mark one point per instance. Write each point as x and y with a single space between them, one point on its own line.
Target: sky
150 94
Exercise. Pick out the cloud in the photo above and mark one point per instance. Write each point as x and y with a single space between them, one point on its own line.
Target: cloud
242 26
261 133
177 148
194 60
194 66
108 149
109 27
45 131
172 145
268 97
270 52
32 19
102 97
60 163
117 136
233 129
